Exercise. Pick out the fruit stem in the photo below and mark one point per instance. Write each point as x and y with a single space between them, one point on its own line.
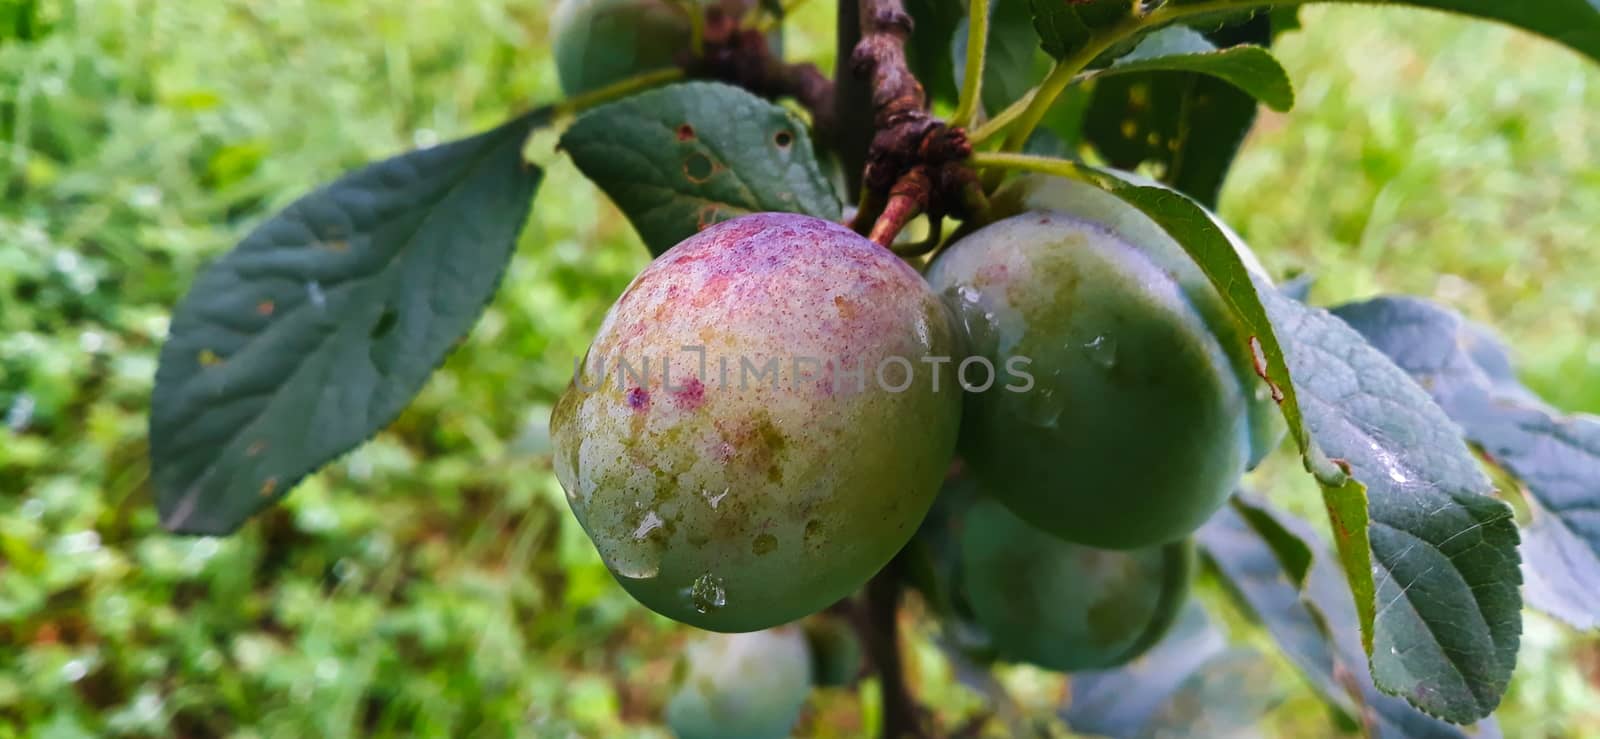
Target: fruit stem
1003 161
972 81
579 103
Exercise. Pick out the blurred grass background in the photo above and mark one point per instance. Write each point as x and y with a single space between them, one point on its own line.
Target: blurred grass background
433 582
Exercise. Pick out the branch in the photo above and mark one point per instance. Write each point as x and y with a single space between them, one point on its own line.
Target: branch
875 620
915 162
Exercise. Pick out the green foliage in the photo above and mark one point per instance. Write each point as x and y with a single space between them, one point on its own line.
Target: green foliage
1252 69
1556 458
135 146
1438 541
319 328
684 157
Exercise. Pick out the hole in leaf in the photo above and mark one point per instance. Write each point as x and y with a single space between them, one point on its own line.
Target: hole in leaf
783 139
385 323
698 168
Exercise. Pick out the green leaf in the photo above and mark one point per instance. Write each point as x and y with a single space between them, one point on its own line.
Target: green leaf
1013 61
1575 23
683 157
1557 458
928 50
1316 626
1430 556
1446 620
1189 125
316 330
1252 69
1066 26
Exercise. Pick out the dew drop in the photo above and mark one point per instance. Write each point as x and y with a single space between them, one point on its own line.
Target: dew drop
1102 351
707 594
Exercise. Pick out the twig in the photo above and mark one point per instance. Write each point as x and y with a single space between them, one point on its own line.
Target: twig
915 162
875 619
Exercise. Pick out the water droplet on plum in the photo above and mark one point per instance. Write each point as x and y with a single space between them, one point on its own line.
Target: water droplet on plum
707 594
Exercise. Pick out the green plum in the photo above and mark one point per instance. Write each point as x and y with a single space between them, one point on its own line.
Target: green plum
1064 606
599 42
1143 408
756 429
741 686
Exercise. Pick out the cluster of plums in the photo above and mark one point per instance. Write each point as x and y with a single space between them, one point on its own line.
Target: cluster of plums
771 409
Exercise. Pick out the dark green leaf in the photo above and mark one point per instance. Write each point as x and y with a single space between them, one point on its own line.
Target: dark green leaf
1013 61
928 51
1190 683
686 156
1190 125
1575 23
1064 27
1446 618
1316 627
1557 458
1252 69
322 324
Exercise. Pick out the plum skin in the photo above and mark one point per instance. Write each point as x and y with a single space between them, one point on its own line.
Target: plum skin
741 686
1146 409
1063 606
742 504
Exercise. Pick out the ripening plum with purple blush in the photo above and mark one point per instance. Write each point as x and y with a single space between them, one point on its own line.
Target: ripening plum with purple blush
744 442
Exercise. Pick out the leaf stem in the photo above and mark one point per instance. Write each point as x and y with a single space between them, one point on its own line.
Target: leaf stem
1061 75
996 160
769 21
579 103
977 47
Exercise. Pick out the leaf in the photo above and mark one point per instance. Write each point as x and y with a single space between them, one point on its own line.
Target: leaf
1316 627
1190 683
318 328
1575 23
1013 61
1557 458
1446 619
1252 69
1430 556
928 49
683 157
1064 26
1190 125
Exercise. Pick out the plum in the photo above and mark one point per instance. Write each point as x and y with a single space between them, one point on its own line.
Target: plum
741 686
1144 408
1063 606
599 42
758 427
